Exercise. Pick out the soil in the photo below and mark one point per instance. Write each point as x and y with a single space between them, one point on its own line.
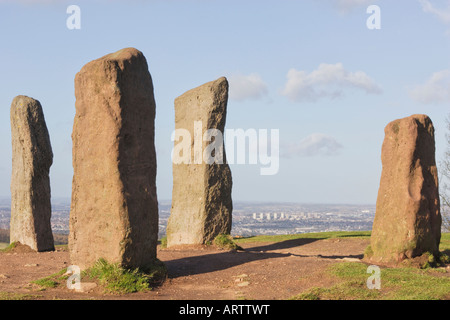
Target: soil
262 271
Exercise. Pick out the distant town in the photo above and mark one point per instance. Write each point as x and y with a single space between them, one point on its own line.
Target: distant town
249 218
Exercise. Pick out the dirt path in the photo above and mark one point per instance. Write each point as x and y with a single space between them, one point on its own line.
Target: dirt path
263 271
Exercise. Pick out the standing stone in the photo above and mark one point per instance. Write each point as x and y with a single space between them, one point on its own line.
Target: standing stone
201 196
407 221
114 210
32 157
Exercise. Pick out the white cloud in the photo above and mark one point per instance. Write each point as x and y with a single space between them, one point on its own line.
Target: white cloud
435 90
328 80
316 144
442 14
243 87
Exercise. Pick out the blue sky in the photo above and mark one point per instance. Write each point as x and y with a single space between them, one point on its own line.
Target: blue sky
310 68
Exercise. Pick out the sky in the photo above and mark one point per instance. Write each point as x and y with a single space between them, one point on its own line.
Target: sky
312 69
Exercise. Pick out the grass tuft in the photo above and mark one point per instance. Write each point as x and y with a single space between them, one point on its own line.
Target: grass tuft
118 280
10 247
51 281
368 252
225 241
163 242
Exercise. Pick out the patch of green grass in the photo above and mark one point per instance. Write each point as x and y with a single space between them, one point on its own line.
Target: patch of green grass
45 283
17 296
415 284
51 281
316 235
445 242
396 284
368 252
225 241
343 291
314 293
62 247
163 242
118 280
9 247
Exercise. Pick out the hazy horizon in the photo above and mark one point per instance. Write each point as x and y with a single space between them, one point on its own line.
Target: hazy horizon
68 200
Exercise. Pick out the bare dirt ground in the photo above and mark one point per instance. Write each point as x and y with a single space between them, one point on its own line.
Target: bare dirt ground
263 271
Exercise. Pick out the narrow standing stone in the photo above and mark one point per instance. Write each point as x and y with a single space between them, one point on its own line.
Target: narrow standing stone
32 157
201 196
407 220
114 210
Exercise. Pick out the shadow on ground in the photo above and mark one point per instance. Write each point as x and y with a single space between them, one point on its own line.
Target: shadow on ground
211 262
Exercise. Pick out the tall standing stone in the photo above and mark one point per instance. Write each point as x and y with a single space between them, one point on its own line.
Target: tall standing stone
32 157
114 210
201 196
407 219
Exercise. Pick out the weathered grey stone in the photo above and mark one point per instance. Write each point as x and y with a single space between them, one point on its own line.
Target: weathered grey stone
201 196
407 219
32 157
114 210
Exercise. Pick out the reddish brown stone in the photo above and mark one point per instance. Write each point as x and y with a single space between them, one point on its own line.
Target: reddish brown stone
407 221
201 197
114 211
32 157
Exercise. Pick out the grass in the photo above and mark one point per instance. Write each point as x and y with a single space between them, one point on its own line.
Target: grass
317 235
62 247
118 280
113 278
225 241
9 247
51 281
396 284
3 245
17 296
163 242
445 243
